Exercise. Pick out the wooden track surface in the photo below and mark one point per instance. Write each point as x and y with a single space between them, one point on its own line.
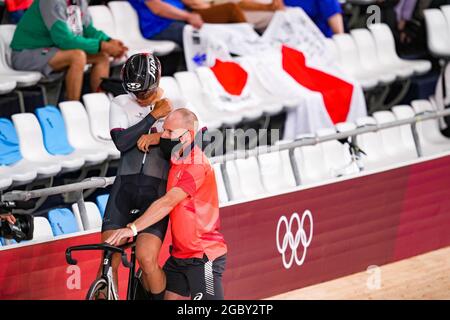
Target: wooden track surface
422 277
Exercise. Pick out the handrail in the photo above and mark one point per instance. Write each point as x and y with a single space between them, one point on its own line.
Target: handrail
313 140
95 182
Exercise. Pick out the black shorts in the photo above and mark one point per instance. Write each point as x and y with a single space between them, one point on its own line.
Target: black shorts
201 279
130 192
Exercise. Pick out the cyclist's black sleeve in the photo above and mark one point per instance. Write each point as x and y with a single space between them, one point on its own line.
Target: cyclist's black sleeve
125 139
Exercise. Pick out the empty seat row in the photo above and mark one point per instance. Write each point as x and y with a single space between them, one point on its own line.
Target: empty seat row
63 221
196 89
369 55
385 147
431 139
52 141
437 23
256 176
79 131
265 174
9 76
323 161
271 173
7 86
13 161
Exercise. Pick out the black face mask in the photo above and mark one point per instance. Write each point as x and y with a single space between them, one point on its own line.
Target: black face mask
170 146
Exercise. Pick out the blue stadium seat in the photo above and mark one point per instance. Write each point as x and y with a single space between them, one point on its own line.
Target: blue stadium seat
101 203
53 130
4 242
62 221
9 143
13 164
32 144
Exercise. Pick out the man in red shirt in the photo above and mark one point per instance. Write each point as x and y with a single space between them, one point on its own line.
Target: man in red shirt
198 252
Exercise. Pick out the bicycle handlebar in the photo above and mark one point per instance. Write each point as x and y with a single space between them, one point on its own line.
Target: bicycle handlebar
100 246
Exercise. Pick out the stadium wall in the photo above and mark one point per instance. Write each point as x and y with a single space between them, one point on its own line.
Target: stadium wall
373 219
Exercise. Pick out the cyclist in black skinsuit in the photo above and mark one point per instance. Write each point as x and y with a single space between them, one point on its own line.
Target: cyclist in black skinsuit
135 119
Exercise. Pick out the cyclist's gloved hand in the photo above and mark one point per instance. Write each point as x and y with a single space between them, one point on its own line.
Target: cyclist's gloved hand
162 108
147 140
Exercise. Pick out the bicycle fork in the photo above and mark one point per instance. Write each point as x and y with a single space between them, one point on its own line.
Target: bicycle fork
131 274
107 270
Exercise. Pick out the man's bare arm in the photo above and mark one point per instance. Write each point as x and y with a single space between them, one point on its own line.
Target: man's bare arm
160 208
336 23
167 10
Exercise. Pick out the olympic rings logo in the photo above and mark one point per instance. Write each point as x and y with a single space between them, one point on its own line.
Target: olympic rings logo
293 241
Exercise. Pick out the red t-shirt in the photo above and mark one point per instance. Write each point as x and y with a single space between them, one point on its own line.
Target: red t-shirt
195 221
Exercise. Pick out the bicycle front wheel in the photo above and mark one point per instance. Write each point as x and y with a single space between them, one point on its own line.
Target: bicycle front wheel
98 290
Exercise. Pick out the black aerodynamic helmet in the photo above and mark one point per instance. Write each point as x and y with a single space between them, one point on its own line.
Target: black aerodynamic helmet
141 73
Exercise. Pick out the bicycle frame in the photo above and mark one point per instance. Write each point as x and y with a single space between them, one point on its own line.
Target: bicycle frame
106 274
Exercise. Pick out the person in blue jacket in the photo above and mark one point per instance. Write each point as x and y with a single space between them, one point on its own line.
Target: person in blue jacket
326 14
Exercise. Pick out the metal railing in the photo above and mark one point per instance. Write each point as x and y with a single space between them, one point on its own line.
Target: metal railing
90 183
77 188
313 140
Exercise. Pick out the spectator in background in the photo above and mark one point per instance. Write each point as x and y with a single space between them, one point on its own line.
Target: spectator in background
164 19
404 11
236 11
326 14
260 14
57 35
16 9
228 12
411 25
